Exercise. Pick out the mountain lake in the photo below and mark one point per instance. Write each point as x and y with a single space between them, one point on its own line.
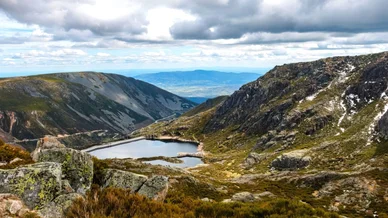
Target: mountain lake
151 148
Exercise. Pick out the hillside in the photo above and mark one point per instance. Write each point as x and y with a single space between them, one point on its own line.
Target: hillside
67 103
199 83
313 131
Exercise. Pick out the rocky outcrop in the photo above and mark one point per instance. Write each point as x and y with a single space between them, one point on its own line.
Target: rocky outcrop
254 159
355 191
77 166
123 179
59 206
155 188
243 197
292 160
37 184
48 142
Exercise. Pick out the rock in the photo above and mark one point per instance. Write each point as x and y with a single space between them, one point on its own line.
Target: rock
292 160
207 200
59 206
123 179
15 160
48 142
354 191
227 201
155 188
265 194
77 166
37 184
66 187
244 197
253 159
12 206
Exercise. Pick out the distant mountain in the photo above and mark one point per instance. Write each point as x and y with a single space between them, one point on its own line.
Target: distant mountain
67 103
199 83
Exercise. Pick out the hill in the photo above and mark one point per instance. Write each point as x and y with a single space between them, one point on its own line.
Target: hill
68 103
313 131
199 83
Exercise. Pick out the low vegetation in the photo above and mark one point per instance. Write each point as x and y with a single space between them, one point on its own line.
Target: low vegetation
113 202
13 156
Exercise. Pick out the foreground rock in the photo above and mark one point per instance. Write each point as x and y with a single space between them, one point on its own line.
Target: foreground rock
59 206
292 160
155 188
123 179
77 166
48 142
37 184
12 206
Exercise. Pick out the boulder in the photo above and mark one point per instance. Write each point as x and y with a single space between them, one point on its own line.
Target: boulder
12 206
123 179
292 160
155 188
77 166
48 142
59 207
244 197
36 184
253 159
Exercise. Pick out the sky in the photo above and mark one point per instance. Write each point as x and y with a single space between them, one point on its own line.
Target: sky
41 36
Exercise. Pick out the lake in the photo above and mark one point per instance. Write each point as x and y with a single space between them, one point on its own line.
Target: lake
151 148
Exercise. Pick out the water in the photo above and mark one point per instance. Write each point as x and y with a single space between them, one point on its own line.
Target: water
151 148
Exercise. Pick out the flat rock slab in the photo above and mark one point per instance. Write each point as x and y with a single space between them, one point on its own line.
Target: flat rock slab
123 179
155 188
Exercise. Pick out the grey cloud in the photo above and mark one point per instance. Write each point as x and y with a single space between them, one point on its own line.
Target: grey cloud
238 18
63 14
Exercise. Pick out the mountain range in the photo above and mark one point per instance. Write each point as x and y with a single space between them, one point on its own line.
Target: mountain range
314 131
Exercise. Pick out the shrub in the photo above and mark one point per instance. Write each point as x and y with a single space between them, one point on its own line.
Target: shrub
114 202
10 152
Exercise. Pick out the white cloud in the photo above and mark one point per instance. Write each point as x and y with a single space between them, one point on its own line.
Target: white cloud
102 54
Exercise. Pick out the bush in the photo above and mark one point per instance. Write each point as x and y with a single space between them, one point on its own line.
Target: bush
114 202
10 152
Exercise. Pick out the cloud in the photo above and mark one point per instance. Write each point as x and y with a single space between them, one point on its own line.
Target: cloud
234 18
73 15
101 54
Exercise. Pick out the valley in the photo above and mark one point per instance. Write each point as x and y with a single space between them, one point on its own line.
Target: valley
308 138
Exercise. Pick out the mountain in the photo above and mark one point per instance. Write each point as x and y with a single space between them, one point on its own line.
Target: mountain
199 83
68 103
313 131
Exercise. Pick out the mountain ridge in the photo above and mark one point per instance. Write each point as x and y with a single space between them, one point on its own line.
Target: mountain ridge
67 103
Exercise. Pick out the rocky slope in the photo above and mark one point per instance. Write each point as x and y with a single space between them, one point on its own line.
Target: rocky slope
67 103
316 128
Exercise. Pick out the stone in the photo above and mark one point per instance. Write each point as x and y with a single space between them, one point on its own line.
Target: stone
292 160
123 179
48 142
15 160
36 184
59 207
155 188
66 187
12 206
253 159
265 194
244 197
77 166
